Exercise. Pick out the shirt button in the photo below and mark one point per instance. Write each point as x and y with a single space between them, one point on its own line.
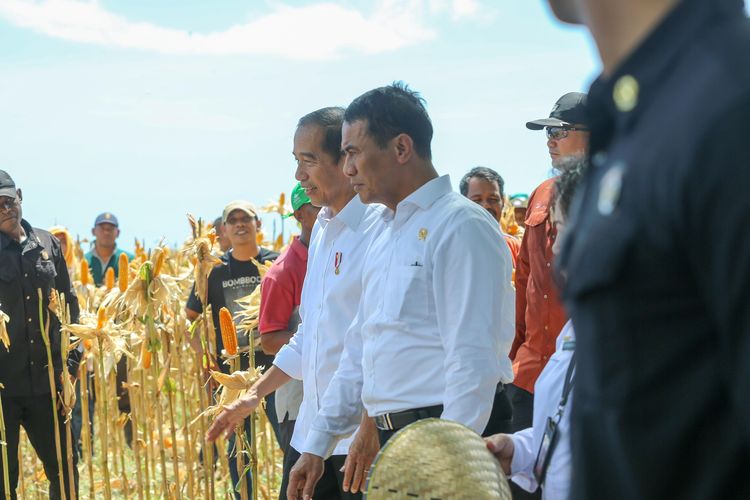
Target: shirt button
545 295
31 341
544 357
32 363
548 264
25 275
28 298
29 320
546 327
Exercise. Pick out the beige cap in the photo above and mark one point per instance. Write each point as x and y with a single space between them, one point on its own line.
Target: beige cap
245 206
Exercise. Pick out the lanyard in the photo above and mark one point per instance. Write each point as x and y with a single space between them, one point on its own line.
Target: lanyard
568 385
551 434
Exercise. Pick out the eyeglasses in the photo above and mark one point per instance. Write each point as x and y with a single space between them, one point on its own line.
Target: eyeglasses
8 204
557 133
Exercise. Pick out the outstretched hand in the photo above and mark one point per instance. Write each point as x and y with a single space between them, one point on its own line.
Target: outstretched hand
231 417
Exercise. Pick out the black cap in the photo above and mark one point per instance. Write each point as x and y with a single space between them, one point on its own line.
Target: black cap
569 110
106 218
7 186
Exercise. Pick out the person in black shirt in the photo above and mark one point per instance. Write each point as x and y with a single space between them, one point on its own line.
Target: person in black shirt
30 260
234 278
658 272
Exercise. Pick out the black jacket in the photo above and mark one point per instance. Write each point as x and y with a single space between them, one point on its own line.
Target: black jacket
658 267
26 267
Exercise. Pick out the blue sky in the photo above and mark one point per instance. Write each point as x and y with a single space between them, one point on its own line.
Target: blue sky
155 108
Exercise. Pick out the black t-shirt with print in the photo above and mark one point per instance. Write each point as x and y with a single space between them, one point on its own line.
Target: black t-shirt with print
230 280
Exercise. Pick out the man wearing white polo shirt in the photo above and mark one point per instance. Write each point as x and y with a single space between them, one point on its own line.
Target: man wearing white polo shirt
330 297
435 319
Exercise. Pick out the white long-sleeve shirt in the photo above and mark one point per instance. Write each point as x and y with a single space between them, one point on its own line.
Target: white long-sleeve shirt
547 393
435 321
328 304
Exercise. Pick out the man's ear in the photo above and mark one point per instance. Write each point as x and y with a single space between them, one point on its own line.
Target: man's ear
258 223
19 194
117 233
403 146
92 231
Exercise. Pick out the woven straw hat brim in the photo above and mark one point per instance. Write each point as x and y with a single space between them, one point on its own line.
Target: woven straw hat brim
436 459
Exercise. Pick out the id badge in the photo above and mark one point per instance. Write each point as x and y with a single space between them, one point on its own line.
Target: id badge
549 439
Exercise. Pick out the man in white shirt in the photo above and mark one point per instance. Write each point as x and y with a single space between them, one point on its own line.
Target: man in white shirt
435 320
330 297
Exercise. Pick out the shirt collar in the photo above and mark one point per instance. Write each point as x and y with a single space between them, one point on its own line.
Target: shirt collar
31 237
649 63
350 215
422 198
115 253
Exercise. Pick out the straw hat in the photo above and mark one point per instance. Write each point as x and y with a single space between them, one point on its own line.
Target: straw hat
436 459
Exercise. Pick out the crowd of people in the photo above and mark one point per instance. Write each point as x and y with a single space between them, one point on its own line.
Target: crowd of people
601 350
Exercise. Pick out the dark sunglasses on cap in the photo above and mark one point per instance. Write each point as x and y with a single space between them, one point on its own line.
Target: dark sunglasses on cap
558 133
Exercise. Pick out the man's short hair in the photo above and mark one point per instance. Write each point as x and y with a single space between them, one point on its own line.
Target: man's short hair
572 171
330 119
393 110
484 173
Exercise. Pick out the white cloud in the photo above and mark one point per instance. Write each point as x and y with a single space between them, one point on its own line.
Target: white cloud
319 31
458 9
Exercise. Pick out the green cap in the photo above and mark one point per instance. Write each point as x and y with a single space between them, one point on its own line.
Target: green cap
299 198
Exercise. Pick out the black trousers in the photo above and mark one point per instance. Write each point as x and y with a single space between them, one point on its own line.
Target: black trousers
522 402
329 486
34 413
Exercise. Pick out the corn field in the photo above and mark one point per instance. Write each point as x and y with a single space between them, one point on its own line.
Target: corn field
166 371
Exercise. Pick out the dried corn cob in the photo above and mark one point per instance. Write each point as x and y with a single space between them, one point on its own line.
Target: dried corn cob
228 331
85 276
122 274
109 278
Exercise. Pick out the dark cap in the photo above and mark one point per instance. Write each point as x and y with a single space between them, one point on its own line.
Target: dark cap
569 110
7 186
106 218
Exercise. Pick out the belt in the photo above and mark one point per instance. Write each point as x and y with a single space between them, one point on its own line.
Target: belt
397 420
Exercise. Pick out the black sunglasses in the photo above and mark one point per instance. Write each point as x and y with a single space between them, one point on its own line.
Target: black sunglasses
558 133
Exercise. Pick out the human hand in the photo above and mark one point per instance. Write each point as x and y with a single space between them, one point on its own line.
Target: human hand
362 452
304 476
231 416
501 445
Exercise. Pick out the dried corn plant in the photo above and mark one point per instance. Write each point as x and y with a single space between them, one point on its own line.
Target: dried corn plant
144 386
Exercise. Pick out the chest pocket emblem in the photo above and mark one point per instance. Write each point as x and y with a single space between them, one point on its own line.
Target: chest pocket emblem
422 235
610 189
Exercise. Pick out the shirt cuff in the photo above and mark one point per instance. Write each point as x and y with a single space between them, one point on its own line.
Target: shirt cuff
522 463
289 361
319 443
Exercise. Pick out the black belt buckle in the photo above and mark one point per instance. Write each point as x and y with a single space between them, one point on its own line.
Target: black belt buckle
385 422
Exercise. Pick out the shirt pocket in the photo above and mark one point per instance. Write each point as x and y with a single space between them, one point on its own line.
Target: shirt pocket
600 259
45 272
406 293
536 216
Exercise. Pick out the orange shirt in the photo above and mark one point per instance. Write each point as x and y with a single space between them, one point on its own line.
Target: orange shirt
539 314
514 245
